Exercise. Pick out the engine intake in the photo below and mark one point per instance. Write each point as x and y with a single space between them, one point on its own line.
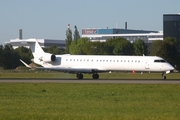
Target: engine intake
49 57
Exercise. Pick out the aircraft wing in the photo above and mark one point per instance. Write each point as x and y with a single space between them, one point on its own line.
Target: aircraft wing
69 69
25 64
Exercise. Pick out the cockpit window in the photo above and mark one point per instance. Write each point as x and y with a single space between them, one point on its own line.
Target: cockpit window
163 61
159 61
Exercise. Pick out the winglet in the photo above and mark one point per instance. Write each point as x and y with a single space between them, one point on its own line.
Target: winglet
25 64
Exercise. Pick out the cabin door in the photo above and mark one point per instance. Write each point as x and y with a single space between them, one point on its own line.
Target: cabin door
147 66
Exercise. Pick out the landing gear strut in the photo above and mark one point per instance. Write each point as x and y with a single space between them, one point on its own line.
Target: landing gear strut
95 76
79 76
163 76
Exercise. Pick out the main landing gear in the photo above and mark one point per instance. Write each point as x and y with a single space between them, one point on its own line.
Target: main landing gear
94 76
79 76
163 76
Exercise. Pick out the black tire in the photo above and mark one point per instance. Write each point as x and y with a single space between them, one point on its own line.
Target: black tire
164 77
95 76
79 76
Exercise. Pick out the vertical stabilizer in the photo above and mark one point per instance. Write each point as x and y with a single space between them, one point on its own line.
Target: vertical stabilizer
36 50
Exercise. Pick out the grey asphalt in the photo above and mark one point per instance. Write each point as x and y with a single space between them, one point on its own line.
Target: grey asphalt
100 81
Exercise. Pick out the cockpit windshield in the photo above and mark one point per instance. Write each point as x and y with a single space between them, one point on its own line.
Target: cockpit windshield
159 61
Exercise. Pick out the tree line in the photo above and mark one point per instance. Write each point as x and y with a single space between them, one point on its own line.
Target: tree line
167 49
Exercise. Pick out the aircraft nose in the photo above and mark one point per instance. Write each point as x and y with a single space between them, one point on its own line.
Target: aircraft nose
171 68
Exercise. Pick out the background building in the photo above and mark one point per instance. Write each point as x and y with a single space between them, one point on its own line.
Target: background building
102 35
45 43
171 26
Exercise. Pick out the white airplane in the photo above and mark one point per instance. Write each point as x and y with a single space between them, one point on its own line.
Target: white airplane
94 64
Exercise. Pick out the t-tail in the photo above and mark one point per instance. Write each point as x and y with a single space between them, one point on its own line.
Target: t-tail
39 55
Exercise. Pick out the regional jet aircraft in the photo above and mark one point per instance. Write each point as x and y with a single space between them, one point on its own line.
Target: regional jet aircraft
94 64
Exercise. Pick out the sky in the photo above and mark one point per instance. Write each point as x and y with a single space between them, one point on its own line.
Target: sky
48 19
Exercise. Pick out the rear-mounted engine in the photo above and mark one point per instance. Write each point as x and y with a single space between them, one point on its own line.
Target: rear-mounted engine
49 57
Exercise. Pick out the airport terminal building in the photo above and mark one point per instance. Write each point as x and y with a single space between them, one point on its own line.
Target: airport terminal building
95 34
45 43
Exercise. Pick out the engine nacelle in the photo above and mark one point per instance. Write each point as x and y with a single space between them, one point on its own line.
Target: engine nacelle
49 57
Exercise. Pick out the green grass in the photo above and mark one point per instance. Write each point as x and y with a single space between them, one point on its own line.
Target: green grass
118 75
89 101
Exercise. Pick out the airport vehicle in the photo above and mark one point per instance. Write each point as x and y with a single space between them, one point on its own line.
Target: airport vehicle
94 64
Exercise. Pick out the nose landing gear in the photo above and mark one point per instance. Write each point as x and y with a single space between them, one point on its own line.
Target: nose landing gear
163 76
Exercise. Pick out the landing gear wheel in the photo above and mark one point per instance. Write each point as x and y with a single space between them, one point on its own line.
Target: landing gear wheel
163 76
95 76
79 76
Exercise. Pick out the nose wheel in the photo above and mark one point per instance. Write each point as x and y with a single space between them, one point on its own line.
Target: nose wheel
163 76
